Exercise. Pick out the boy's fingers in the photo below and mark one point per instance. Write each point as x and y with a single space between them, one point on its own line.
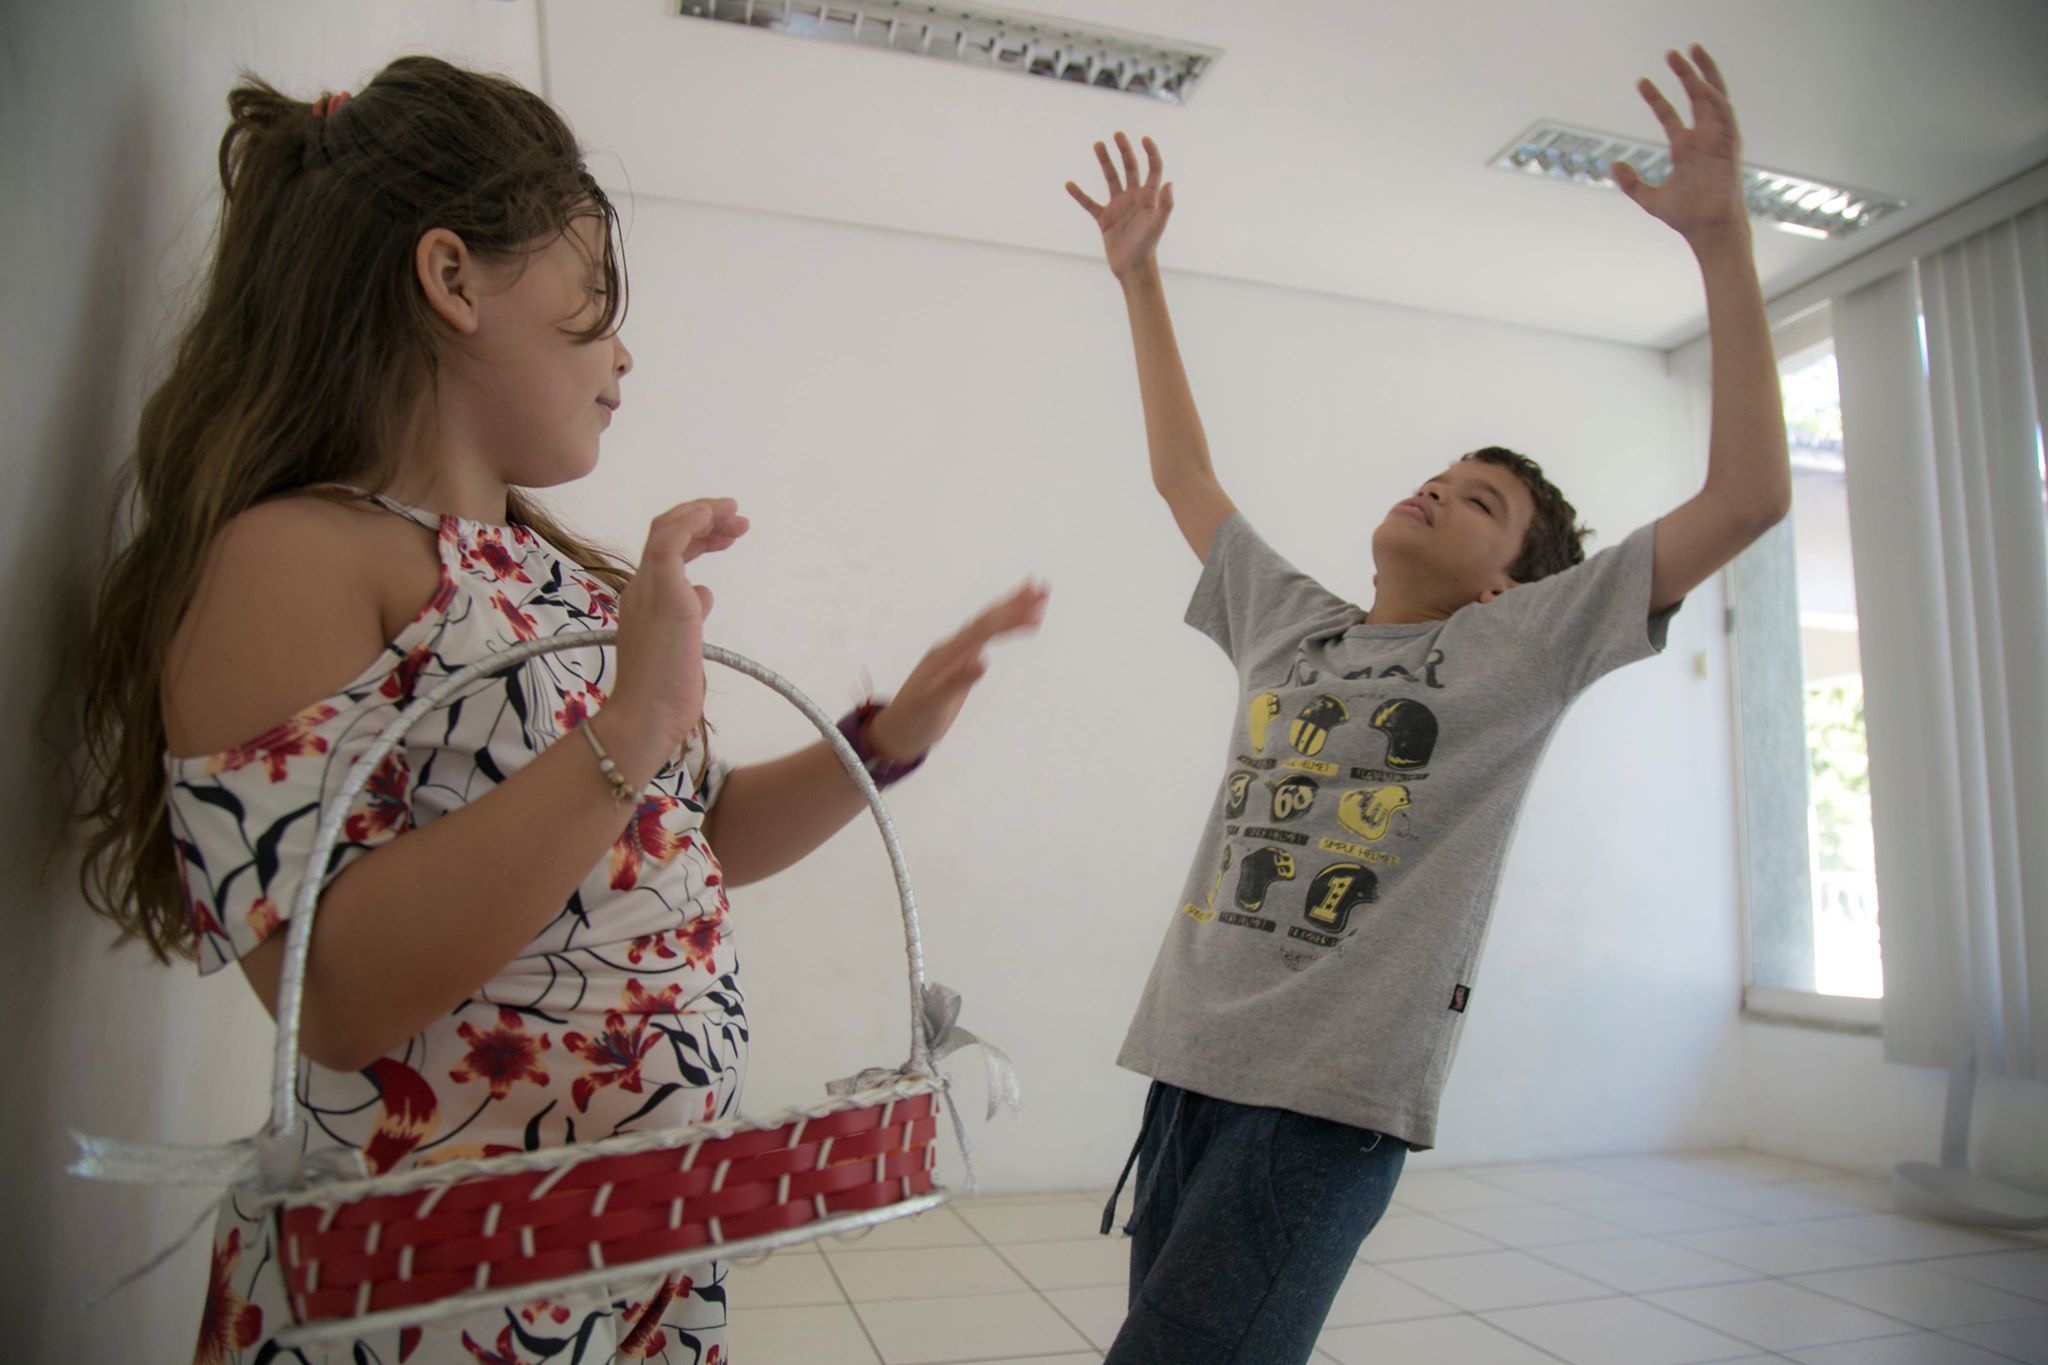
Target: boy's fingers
1709 68
1123 145
1094 209
1154 166
1696 90
1116 186
1630 183
1674 126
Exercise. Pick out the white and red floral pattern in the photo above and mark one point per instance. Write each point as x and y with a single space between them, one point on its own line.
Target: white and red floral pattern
623 1014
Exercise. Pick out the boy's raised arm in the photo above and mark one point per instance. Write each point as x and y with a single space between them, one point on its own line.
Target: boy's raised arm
1749 479
1132 222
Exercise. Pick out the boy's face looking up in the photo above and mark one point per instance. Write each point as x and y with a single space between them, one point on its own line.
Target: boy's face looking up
1454 541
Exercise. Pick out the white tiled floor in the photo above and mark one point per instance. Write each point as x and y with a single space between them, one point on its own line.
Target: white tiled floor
1657 1260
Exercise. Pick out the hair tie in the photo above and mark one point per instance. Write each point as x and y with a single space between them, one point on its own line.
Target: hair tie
327 104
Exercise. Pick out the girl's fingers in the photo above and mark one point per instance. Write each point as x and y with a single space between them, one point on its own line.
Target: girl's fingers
1025 607
1674 126
1123 145
1116 186
1094 209
704 545
1154 166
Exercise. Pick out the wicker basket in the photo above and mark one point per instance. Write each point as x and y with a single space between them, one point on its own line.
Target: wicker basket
363 1254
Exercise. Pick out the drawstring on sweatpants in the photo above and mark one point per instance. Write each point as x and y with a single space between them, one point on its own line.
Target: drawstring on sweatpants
1152 1177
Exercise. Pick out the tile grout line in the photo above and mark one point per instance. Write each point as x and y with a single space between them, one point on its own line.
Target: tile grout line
852 1308
1087 1341
1750 1223
1945 1335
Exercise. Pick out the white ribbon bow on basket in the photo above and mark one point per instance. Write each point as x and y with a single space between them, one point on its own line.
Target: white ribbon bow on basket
946 1037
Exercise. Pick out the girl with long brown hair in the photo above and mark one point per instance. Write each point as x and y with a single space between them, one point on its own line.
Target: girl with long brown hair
412 319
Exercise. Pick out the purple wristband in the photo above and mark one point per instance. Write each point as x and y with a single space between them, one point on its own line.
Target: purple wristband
881 769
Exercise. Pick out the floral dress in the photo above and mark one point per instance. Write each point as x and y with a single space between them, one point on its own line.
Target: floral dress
624 1014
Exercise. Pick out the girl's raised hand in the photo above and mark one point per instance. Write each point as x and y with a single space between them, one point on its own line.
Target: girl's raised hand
661 622
933 693
1702 195
1136 213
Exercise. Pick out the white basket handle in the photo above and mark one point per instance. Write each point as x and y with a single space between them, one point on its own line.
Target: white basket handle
299 937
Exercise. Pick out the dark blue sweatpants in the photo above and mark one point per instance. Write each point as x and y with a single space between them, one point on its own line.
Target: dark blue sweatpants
1243 1228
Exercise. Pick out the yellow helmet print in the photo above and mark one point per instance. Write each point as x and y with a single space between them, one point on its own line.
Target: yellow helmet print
1310 730
1264 710
1369 813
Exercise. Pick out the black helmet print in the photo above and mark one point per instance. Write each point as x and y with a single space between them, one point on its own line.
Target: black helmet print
1240 787
1410 728
1292 796
1337 890
1262 867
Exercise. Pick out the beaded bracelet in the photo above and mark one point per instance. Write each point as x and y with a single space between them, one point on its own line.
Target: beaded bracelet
622 790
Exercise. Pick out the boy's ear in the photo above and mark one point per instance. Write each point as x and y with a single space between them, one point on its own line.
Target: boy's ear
448 278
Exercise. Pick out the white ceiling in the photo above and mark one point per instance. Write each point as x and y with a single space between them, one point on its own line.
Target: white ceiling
1337 146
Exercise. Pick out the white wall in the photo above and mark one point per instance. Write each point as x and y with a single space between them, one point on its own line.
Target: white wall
1832 1097
915 425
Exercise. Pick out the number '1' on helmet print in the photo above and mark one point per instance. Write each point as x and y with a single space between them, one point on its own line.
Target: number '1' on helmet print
1310 730
1410 728
1337 890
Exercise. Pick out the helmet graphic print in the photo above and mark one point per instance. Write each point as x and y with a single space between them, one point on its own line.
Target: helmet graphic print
1310 730
1262 867
1369 814
1239 787
1410 728
1338 890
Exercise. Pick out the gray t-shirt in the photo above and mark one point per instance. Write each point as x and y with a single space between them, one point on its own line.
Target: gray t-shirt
1326 942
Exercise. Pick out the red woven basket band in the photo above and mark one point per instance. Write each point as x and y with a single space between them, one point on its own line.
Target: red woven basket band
602 1213
452 1216
336 1299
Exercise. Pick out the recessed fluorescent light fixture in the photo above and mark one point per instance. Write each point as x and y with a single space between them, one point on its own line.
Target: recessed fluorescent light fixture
981 35
1807 208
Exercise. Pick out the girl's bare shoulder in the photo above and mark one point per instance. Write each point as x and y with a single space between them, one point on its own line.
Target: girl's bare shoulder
297 596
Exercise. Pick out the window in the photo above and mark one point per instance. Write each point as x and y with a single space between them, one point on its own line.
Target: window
1809 867
1840 855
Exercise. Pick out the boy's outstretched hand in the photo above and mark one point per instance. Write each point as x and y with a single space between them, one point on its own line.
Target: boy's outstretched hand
1702 196
1136 213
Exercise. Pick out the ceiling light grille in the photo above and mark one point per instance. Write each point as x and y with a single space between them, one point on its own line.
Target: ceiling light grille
1809 208
1002 40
